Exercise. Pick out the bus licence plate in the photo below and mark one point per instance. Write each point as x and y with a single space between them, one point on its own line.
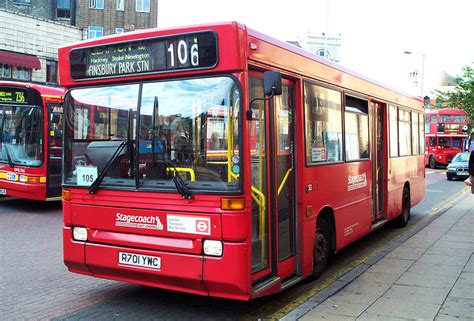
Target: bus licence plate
152 262
12 177
3 191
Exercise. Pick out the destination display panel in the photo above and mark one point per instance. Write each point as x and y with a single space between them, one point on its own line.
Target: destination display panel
154 55
13 95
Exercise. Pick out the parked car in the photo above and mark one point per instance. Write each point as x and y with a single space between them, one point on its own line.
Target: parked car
458 166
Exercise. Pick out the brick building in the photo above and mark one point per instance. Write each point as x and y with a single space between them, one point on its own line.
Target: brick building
106 17
29 46
32 30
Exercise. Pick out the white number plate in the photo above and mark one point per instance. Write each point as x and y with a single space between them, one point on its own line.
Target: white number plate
152 262
86 175
3 191
12 177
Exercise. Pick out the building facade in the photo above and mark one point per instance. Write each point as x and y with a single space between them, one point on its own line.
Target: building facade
32 30
106 17
29 47
328 47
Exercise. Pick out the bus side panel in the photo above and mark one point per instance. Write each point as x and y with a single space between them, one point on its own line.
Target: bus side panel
228 276
417 183
401 170
346 189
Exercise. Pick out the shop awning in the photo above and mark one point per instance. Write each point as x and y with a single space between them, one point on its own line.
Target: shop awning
19 59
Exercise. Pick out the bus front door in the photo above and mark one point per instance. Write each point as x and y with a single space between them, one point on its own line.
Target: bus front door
282 182
378 161
273 185
53 180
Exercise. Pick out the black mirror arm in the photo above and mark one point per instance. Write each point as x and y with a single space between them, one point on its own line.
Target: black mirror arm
250 112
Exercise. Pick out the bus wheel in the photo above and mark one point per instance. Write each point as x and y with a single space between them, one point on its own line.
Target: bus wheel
432 162
402 219
321 248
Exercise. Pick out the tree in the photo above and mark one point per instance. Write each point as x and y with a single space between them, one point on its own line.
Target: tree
463 95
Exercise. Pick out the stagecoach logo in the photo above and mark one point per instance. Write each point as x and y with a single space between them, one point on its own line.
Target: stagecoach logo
356 182
138 221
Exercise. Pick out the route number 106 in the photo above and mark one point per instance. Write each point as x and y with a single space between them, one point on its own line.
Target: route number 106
185 56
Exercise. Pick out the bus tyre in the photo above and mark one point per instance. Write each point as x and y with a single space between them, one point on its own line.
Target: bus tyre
321 248
402 219
432 162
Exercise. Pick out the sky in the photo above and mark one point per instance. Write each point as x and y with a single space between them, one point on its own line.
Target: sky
375 33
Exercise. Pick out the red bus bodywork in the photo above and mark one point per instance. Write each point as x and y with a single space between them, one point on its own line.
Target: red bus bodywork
42 182
342 192
446 134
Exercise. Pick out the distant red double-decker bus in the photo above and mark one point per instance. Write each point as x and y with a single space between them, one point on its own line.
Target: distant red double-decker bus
30 141
219 161
446 134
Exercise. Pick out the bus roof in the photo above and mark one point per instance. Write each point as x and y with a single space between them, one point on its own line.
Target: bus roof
237 31
42 89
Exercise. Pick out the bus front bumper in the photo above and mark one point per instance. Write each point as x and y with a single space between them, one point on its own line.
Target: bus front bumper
23 190
224 276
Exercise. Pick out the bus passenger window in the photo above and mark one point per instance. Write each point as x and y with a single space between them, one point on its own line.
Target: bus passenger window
323 128
356 119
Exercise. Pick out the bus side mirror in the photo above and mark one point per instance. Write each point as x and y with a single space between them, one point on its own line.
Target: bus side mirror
272 83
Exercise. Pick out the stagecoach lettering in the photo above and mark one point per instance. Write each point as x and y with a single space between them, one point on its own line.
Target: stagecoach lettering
138 221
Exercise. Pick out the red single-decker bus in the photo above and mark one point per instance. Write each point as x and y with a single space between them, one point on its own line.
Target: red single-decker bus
218 161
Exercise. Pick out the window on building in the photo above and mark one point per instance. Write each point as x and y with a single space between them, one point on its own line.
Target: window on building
96 4
143 6
21 73
323 125
120 5
94 32
51 71
119 30
63 9
5 71
404 132
356 120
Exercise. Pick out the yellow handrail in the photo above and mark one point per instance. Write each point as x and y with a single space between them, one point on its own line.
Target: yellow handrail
183 169
288 172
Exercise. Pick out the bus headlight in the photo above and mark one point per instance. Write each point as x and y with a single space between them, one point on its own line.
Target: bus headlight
23 178
79 233
212 247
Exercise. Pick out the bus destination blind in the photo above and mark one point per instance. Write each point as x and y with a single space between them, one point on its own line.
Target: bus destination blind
157 55
13 95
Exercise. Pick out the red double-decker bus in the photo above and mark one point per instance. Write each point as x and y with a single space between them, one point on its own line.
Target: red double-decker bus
219 161
446 134
30 141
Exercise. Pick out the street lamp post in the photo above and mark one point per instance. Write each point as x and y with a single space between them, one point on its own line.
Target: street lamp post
422 69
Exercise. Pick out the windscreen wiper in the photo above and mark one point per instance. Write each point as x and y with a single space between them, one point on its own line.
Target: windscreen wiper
180 184
111 163
9 157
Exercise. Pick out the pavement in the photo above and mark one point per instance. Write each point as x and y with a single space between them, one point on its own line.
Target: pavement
427 275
